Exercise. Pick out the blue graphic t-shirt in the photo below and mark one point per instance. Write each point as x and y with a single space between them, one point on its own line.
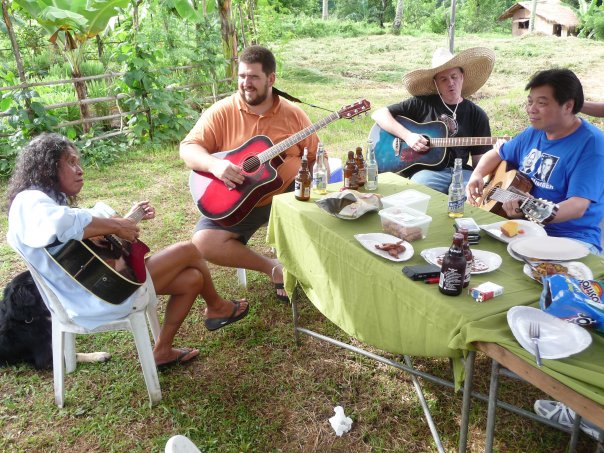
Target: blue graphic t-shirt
572 166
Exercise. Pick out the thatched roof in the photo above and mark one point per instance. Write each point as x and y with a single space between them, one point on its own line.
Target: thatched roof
551 11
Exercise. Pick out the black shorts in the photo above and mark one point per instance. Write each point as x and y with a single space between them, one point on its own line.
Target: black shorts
245 229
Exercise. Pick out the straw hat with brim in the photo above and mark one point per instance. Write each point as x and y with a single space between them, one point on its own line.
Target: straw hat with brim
477 64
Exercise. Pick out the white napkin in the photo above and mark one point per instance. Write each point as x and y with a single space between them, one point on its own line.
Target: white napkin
339 422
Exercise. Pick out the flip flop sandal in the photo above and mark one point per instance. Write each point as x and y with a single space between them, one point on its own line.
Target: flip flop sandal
278 286
218 323
180 360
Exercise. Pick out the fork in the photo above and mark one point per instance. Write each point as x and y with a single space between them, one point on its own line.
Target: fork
534 335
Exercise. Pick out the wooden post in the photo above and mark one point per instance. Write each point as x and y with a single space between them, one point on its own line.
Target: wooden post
452 28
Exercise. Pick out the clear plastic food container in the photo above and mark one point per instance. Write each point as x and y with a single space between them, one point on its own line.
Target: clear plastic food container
412 198
405 222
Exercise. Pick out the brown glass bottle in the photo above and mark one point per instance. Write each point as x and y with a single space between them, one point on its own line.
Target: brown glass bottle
453 269
351 173
303 180
360 161
468 255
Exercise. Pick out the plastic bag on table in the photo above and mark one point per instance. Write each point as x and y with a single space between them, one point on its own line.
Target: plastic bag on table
350 204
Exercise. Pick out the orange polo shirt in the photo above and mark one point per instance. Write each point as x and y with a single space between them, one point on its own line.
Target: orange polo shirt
229 123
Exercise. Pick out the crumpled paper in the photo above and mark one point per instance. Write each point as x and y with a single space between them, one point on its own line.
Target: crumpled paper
339 422
350 204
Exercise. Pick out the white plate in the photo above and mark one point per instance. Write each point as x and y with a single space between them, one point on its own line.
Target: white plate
528 228
488 261
547 249
557 338
576 269
370 240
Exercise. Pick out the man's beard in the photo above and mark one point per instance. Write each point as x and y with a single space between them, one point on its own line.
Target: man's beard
258 99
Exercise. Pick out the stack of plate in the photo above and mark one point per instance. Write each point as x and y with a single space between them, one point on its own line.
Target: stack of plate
547 249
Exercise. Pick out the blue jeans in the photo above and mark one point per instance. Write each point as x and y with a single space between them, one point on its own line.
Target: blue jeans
439 180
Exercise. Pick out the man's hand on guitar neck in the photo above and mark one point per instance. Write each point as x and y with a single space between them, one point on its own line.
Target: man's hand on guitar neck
149 211
122 228
512 208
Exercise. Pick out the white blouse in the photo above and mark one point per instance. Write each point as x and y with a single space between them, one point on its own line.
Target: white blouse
35 220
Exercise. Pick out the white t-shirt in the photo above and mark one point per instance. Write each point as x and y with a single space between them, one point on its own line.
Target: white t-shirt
35 220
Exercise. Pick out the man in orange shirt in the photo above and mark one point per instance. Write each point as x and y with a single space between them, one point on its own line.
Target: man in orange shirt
254 110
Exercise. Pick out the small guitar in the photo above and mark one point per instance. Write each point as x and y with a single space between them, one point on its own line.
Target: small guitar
259 159
111 268
393 154
503 185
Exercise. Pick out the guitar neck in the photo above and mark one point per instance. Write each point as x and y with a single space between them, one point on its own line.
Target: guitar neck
136 216
503 195
464 141
275 150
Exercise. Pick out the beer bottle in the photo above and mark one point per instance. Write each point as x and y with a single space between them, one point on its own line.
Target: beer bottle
351 172
361 165
303 180
453 269
469 257
320 173
371 168
457 196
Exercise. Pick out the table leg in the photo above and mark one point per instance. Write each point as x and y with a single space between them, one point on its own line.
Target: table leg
465 407
295 316
492 407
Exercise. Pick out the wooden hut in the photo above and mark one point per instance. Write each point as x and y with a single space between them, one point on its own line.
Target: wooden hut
551 18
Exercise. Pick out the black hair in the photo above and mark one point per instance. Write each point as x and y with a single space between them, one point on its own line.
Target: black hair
38 165
564 82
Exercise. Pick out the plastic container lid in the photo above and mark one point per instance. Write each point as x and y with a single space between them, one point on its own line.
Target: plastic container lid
410 197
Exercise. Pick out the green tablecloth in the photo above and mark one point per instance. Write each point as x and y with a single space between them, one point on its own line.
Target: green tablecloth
370 299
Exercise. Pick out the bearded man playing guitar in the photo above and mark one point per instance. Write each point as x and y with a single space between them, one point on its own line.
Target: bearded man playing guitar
255 110
439 95
570 163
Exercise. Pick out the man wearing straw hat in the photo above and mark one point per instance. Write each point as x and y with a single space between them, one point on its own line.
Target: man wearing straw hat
439 94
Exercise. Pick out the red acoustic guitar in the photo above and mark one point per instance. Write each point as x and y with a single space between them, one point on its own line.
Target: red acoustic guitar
259 159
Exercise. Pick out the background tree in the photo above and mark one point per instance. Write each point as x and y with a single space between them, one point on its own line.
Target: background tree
72 28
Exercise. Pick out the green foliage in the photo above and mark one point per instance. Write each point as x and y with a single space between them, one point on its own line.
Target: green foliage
100 153
302 26
591 18
158 111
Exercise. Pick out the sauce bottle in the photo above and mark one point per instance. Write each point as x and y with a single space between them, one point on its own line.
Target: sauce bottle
351 172
360 161
453 269
303 180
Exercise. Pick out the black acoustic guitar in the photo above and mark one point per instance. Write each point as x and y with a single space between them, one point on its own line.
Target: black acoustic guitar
393 154
108 267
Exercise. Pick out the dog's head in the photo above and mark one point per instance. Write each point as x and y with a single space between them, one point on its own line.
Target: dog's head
22 301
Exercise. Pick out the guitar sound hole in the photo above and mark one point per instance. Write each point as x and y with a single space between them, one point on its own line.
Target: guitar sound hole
251 164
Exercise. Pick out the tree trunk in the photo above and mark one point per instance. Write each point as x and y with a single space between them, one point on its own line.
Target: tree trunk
398 17
82 93
452 28
99 46
325 14
229 37
532 17
17 53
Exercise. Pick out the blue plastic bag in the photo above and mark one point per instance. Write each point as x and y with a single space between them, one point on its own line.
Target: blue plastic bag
576 301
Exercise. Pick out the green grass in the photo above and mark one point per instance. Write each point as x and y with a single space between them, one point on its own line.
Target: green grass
252 388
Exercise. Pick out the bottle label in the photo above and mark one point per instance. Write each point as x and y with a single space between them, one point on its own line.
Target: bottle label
306 192
456 205
450 279
320 181
297 188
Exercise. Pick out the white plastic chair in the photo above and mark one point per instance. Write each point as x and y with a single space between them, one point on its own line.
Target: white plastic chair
181 444
64 330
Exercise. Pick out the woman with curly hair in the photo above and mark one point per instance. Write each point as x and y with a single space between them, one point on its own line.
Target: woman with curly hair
41 197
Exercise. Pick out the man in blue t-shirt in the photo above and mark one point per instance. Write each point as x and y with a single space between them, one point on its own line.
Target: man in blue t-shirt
563 156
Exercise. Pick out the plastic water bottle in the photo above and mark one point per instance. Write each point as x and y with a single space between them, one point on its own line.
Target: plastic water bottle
457 196
371 168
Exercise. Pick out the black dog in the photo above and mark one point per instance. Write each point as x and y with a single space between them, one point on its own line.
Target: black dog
25 325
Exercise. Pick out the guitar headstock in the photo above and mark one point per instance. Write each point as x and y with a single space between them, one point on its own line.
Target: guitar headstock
538 210
352 110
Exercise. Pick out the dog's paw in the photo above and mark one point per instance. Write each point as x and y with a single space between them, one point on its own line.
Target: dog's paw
93 356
